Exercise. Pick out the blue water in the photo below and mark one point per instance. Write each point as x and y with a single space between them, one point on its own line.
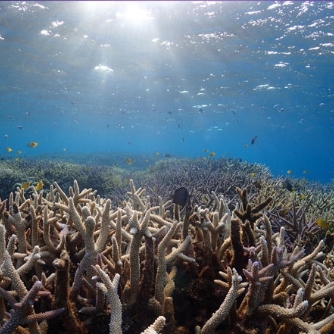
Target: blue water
179 78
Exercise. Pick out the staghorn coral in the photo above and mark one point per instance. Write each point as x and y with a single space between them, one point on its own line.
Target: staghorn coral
22 312
124 267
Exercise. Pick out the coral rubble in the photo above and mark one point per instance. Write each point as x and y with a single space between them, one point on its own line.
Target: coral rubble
232 263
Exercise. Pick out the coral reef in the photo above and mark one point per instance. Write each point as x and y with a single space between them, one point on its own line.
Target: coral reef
244 258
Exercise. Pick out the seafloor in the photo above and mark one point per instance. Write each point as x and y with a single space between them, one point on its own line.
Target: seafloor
101 244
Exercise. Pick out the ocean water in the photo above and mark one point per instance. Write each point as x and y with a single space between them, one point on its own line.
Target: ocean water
178 78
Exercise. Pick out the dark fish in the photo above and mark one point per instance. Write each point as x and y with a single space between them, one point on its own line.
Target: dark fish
167 155
287 185
200 110
20 127
253 140
181 196
257 184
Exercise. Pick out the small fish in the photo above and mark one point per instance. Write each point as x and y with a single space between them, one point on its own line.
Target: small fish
6 136
39 186
289 171
305 171
128 161
287 185
251 174
64 149
18 152
182 140
212 154
32 144
25 185
253 140
321 222
156 153
246 145
181 196
167 155
9 149
257 184
20 127
200 110
205 151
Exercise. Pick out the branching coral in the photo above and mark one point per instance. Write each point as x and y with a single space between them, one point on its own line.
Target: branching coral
22 312
144 266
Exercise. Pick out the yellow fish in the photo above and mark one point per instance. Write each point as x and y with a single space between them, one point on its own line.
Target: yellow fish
212 154
39 186
25 185
128 161
8 149
251 174
19 152
289 171
32 144
321 222
303 181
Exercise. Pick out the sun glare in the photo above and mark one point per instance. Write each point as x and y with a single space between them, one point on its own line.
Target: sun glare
135 14
129 12
93 6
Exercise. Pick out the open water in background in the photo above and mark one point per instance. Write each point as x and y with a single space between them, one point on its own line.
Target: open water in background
177 78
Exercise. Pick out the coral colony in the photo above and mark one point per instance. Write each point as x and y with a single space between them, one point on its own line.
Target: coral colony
74 262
